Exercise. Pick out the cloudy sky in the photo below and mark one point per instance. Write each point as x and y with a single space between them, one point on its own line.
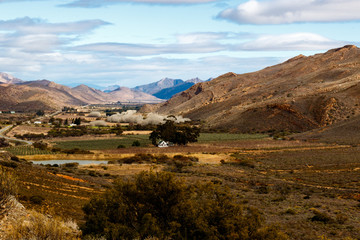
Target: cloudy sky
134 42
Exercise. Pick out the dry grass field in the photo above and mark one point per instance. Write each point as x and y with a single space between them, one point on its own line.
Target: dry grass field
24 129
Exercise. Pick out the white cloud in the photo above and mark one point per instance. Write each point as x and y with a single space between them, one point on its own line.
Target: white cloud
292 41
29 25
99 3
36 35
202 42
10 1
294 11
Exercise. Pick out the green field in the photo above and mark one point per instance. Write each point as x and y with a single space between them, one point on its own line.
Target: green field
216 137
126 140
27 150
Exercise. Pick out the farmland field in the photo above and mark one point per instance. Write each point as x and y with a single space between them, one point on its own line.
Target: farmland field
27 150
126 140
216 137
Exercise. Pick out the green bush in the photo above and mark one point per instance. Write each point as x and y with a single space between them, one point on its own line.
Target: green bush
70 165
160 206
321 217
136 143
9 164
36 199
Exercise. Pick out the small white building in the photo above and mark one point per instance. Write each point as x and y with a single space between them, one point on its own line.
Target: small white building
37 122
163 144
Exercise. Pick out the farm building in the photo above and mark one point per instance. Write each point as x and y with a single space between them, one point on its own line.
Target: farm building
163 144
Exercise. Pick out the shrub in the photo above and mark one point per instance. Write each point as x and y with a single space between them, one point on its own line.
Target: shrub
4 143
160 206
7 184
121 146
71 165
40 145
321 217
36 199
136 143
9 164
15 158
76 151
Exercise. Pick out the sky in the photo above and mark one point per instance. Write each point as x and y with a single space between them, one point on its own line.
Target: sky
136 42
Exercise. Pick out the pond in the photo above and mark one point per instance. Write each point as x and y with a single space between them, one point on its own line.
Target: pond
81 162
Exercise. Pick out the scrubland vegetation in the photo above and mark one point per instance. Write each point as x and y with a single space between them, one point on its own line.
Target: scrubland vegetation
254 187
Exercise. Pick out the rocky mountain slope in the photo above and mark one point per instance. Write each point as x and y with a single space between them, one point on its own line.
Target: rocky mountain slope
300 94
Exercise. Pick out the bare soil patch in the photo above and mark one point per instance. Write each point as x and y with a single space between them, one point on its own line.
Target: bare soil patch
23 129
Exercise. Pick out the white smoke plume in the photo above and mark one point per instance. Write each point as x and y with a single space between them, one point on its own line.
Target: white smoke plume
99 123
94 114
131 116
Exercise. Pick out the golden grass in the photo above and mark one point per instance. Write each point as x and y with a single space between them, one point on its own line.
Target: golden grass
124 169
38 226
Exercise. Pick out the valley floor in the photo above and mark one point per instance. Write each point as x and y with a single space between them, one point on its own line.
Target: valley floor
309 190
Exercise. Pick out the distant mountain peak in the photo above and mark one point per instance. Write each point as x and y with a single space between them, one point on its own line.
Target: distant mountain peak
9 79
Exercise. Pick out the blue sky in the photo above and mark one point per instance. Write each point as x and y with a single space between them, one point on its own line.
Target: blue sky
135 42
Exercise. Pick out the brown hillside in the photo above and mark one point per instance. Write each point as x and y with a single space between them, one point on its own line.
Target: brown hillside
298 95
47 95
30 97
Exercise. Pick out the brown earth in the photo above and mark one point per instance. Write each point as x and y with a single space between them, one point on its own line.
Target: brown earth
300 94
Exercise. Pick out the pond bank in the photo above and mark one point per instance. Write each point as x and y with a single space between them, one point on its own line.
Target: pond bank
93 157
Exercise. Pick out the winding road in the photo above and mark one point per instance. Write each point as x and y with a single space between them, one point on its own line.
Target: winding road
3 130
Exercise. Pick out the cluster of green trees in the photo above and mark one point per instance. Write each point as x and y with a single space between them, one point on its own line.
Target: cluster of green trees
158 205
180 134
83 130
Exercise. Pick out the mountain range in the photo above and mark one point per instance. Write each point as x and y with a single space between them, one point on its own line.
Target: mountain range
300 94
167 87
47 95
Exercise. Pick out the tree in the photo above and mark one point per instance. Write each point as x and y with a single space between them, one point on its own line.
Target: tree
161 206
40 113
77 121
4 143
177 134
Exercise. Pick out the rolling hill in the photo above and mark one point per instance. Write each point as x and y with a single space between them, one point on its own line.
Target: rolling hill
47 95
300 94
